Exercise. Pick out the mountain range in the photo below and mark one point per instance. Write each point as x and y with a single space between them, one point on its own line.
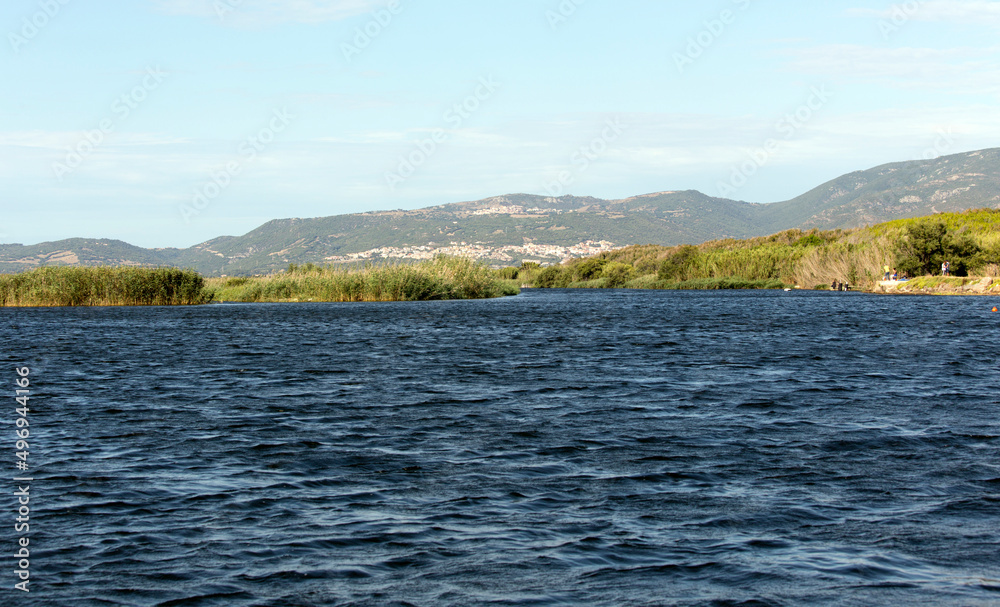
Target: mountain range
508 229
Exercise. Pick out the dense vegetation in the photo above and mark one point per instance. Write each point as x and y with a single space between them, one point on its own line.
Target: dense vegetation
969 240
89 286
442 278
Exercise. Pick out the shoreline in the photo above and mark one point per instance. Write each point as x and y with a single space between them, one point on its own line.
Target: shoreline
939 285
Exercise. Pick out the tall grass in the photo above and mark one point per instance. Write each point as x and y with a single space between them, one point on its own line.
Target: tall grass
441 278
722 284
102 286
858 259
793 257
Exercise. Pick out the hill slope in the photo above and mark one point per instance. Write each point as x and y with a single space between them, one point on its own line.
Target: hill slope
511 228
894 191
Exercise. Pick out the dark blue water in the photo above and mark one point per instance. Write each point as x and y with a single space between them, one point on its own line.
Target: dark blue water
557 448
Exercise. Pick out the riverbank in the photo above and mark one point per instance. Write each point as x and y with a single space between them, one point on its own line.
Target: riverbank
813 259
941 285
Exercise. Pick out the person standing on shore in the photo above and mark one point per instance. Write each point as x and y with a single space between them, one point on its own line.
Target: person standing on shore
887 273
946 268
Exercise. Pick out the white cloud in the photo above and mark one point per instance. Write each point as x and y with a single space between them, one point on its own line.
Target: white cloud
345 102
962 71
975 12
60 140
264 12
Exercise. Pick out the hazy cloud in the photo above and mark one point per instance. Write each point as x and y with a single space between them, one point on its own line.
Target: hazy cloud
976 12
962 71
263 12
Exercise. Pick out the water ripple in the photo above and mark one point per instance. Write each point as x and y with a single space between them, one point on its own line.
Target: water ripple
557 448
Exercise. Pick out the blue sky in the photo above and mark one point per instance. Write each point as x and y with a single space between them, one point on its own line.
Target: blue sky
169 122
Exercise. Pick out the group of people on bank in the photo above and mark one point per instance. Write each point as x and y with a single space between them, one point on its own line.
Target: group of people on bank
894 275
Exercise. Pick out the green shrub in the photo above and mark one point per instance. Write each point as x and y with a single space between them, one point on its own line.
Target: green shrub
553 277
616 274
589 269
679 265
812 240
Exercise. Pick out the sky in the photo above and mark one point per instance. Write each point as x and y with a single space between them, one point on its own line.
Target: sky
165 123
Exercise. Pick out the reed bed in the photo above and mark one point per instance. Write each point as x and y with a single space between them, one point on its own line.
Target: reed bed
102 286
793 257
723 284
439 279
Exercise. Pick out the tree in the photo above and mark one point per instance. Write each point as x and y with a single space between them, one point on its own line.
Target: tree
929 244
963 253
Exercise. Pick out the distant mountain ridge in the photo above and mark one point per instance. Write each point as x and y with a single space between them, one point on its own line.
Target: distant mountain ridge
508 229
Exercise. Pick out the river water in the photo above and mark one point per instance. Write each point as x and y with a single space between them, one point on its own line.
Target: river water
555 448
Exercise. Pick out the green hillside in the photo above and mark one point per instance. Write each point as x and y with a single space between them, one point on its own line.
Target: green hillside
892 191
969 240
505 230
